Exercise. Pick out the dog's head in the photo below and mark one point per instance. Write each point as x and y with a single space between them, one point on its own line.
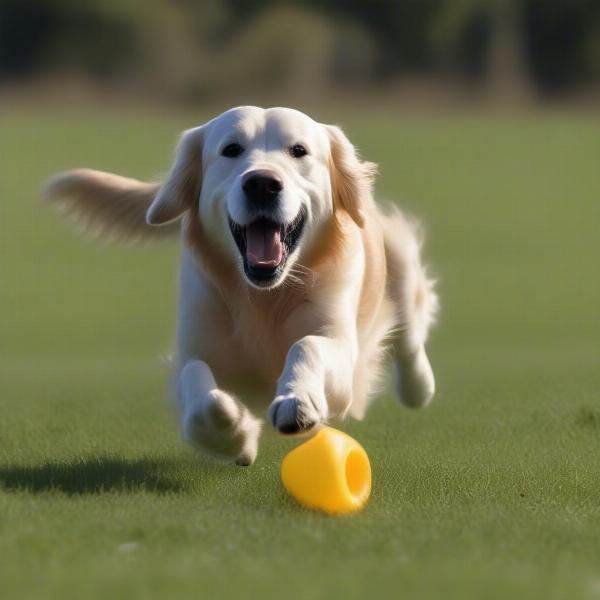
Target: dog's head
264 183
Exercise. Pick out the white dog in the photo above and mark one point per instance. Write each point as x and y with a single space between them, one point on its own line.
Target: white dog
292 280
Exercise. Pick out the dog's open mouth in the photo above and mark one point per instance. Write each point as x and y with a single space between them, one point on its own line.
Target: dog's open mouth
265 246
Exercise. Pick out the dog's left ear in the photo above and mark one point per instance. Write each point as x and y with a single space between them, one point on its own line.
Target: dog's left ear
182 186
351 178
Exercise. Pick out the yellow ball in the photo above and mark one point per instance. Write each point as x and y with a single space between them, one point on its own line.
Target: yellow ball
329 472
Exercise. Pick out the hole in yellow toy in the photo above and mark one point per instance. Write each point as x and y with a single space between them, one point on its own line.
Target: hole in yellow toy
357 474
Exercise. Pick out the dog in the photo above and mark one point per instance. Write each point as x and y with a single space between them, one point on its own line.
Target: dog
293 282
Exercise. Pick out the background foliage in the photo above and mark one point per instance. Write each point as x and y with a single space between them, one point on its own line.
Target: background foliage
197 49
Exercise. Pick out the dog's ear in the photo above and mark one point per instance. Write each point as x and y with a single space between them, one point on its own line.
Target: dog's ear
181 187
351 178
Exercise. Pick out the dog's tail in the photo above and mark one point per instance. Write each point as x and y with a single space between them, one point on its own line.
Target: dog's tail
107 206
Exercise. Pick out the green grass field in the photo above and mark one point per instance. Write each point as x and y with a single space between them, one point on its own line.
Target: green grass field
493 491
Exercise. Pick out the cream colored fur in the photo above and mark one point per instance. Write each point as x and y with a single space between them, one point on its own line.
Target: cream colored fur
315 340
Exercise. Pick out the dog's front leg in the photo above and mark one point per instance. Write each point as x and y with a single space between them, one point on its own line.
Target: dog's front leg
213 420
316 382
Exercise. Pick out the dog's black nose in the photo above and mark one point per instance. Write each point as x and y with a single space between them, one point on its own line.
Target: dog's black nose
262 186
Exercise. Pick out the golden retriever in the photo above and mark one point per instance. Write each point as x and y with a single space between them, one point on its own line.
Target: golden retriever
292 280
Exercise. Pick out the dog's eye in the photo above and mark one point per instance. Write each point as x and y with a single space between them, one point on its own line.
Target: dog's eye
298 151
232 150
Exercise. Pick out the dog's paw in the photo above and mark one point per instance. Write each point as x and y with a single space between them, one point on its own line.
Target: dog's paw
290 414
415 382
222 427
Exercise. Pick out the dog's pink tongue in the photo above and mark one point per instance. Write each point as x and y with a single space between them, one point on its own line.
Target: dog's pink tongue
263 244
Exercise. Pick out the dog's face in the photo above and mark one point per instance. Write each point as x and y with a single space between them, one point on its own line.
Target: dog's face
266 182
265 188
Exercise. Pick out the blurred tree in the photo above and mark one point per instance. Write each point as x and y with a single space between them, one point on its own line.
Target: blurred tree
183 45
459 35
412 36
288 50
562 39
25 31
508 79
98 37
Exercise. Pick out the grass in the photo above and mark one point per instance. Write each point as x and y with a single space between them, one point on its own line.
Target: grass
493 491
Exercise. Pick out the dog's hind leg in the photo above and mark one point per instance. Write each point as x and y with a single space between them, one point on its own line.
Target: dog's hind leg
415 306
213 420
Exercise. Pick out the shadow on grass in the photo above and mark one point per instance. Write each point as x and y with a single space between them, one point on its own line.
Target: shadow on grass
92 476
588 417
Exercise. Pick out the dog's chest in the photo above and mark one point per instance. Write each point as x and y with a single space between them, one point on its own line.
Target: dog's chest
245 341
262 334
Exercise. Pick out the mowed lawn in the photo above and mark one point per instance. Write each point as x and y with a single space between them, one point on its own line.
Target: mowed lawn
493 491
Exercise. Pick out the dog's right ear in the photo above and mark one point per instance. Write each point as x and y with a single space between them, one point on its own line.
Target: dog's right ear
351 178
182 186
